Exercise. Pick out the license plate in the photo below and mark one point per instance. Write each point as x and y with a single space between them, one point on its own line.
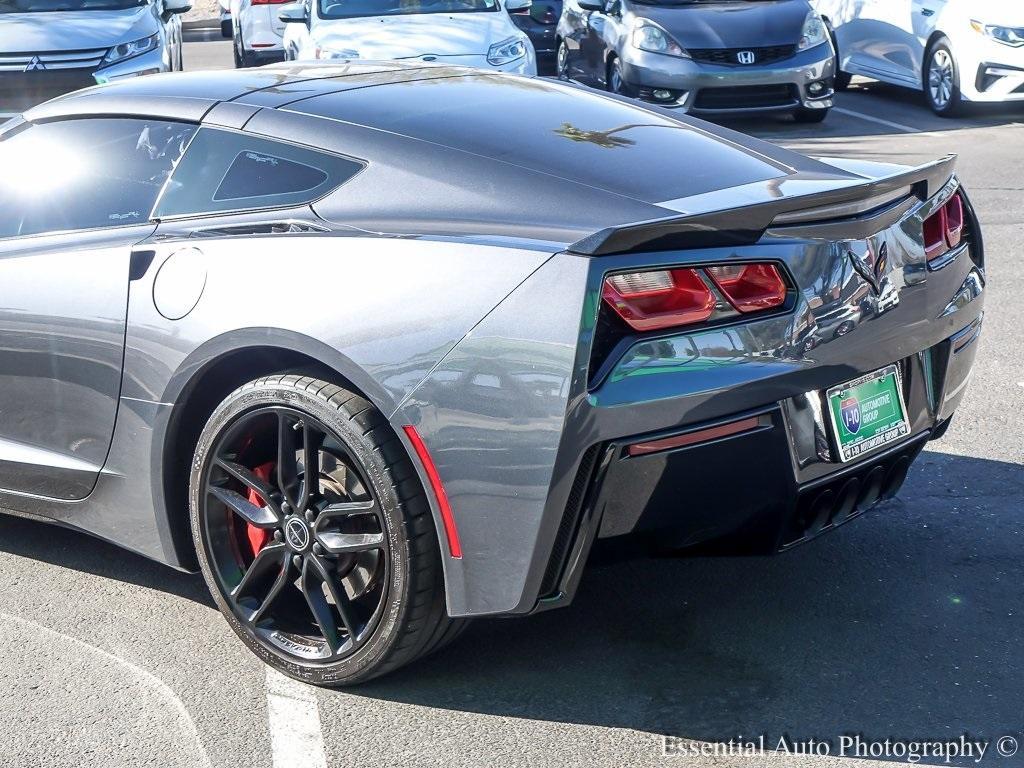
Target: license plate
868 412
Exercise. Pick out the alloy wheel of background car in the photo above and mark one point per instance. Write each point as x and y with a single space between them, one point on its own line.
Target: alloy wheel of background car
942 80
314 534
562 61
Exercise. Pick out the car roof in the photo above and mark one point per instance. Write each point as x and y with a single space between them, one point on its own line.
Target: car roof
466 150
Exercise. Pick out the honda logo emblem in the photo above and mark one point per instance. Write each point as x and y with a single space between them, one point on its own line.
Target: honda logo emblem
746 57
33 65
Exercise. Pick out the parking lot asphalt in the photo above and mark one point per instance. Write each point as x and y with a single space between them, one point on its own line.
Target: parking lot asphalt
906 624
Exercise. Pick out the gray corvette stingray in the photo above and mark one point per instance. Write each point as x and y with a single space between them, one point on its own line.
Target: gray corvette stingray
380 347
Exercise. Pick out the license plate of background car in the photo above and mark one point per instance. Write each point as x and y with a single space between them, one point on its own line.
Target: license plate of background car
868 412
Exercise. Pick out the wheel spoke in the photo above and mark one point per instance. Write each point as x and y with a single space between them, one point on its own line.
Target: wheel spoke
338 595
344 543
349 508
275 589
287 464
311 582
266 560
246 476
312 440
261 517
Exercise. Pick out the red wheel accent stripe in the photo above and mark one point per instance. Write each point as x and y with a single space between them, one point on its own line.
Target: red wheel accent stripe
450 531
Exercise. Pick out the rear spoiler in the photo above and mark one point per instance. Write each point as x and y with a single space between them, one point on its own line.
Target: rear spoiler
745 225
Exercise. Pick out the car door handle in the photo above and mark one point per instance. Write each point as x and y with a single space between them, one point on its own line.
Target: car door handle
927 12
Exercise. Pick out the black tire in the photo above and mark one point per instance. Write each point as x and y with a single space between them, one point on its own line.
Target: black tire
809 116
226 30
615 82
406 615
941 80
243 60
842 79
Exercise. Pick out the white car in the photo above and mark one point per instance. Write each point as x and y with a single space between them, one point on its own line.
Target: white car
472 33
956 51
256 30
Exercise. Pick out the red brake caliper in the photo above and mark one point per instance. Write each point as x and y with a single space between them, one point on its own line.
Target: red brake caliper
258 537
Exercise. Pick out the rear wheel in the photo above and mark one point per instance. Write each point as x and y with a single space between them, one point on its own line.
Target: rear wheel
314 534
942 80
243 60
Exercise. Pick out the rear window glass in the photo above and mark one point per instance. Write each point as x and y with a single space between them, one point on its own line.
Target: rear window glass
260 171
229 171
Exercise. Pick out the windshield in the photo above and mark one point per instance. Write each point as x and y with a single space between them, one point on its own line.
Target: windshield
41 6
349 9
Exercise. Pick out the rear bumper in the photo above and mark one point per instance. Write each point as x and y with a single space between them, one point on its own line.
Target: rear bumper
753 467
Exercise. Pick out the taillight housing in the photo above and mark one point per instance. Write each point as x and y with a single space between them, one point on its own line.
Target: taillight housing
653 300
750 287
944 229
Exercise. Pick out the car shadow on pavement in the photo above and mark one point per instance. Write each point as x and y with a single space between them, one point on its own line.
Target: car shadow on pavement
907 623
68 548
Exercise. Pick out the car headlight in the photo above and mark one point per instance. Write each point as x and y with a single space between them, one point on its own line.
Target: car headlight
813 33
648 36
1012 36
132 49
506 51
336 53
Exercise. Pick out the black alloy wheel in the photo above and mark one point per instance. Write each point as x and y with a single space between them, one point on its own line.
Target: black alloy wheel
314 533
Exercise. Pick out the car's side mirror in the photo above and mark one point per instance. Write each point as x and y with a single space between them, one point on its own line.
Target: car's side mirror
295 13
174 7
518 6
591 5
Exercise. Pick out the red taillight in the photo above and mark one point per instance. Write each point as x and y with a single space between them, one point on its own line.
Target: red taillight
750 287
667 298
944 229
650 301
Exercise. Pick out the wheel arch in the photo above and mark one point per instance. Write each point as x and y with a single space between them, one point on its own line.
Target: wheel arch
203 380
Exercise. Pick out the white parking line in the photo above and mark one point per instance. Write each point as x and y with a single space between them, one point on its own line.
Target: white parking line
147 679
880 121
296 740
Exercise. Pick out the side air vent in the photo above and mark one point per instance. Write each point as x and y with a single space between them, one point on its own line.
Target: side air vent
570 521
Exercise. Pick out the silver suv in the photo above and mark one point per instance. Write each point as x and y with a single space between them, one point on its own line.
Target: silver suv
51 47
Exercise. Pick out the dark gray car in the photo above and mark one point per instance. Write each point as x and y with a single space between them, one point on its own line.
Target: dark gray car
375 371
710 57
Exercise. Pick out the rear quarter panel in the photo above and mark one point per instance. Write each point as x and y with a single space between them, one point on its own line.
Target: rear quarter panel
380 312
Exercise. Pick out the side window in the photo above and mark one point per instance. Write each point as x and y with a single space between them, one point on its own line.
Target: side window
229 171
85 174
